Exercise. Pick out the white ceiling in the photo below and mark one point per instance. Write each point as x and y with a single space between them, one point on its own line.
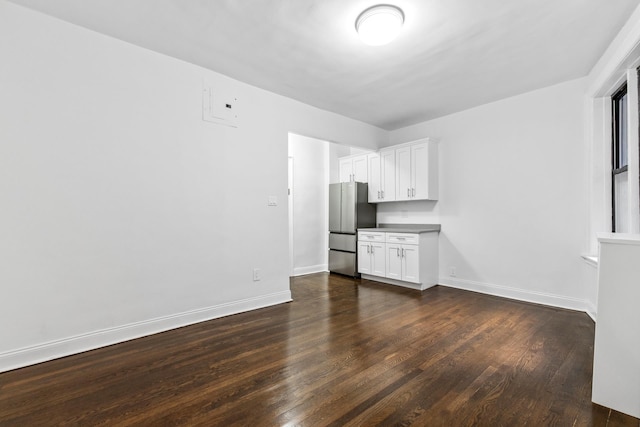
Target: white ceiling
451 55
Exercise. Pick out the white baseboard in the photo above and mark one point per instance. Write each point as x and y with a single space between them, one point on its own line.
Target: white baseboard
77 344
301 271
591 310
520 294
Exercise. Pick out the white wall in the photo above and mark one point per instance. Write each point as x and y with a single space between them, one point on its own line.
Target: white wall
123 213
512 196
310 208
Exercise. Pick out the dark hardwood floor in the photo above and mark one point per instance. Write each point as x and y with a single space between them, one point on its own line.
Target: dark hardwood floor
345 352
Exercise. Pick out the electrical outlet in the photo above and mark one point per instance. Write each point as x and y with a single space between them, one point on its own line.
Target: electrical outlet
452 272
256 274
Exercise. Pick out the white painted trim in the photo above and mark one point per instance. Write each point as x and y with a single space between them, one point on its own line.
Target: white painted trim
301 271
518 294
80 343
619 238
633 153
623 53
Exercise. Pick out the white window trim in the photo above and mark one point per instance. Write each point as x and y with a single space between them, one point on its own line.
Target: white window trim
618 64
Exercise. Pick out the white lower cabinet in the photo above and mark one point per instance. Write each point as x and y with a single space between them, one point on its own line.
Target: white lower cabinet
371 258
403 262
405 259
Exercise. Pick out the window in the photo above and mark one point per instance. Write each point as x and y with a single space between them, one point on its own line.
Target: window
619 156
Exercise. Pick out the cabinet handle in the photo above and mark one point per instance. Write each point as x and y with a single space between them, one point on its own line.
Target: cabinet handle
397 252
402 253
379 196
408 192
373 249
413 192
382 194
368 249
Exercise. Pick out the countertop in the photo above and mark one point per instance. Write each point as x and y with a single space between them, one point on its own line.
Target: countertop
404 228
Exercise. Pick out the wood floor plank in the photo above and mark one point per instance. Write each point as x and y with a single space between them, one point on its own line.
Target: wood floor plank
344 352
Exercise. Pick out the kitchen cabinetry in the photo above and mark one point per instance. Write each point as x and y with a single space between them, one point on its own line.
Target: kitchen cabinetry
403 259
416 172
409 259
382 177
399 173
616 371
371 253
354 168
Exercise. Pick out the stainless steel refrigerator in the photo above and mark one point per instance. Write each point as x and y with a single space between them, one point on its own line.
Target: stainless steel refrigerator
349 210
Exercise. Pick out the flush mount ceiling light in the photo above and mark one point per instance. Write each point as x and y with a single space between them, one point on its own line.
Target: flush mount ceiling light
379 24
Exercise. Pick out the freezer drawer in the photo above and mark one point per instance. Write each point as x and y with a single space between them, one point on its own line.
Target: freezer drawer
343 263
343 242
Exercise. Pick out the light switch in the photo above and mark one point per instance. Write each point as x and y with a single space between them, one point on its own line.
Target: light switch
273 201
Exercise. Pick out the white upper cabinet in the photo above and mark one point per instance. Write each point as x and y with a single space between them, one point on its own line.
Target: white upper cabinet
354 168
346 170
388 175
374 178
424 171
417 172
382 177
360 169
403 172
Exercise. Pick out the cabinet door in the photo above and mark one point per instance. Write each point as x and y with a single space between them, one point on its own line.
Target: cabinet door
403 173
388 175
364 258
410 263
360 169
378 259
374 178
394 261
420 171
346 170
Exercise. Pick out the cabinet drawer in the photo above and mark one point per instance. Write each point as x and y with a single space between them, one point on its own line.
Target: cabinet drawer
403 238
370 236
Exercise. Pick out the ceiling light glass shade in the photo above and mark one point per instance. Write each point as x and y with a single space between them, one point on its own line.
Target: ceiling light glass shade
379 24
